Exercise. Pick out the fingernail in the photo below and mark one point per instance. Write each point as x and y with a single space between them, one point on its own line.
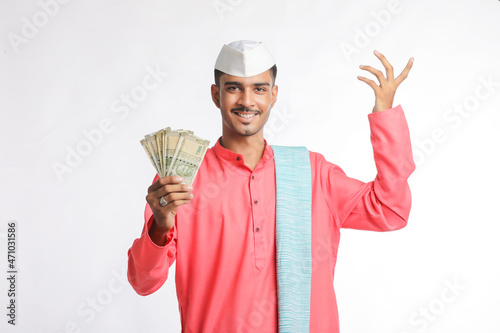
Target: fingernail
412 60
178 179
361 66
376 52
191 195
189 187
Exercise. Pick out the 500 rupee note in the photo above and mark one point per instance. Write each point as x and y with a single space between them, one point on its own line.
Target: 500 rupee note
187 157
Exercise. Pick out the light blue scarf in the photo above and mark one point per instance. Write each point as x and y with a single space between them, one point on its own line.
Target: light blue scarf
293 237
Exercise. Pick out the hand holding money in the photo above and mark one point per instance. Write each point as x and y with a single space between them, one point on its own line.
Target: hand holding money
176 156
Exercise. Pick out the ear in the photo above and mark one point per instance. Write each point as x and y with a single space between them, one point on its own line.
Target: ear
214 89
274 92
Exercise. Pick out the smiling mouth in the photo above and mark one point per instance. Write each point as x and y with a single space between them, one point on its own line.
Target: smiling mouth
245 115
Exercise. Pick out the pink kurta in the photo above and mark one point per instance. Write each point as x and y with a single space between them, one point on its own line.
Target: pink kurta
223 241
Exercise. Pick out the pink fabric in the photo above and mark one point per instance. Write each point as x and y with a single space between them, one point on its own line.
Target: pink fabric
223 240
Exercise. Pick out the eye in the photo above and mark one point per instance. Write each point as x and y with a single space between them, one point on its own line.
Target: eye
233 88
260 89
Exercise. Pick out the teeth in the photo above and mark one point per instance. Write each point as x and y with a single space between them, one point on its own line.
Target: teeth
245 115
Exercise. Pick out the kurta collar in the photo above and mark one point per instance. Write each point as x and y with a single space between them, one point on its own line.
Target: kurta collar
231 156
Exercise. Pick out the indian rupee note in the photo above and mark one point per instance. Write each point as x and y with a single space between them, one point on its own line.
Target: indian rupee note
145 145
187 157
172 140
151 140
164 151
159 146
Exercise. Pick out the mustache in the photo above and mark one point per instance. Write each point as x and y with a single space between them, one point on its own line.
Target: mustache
244 109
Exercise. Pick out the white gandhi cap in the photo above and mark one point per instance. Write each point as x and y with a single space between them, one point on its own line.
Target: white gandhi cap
244 58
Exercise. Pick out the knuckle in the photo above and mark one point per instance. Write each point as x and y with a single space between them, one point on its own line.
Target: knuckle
166 189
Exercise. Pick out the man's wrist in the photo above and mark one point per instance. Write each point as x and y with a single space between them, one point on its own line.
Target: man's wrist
159 237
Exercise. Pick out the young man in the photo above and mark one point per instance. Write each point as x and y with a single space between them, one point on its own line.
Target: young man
223 230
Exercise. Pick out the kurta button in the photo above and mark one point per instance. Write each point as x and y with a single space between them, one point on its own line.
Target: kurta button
255 202
253 177
238 158
257 229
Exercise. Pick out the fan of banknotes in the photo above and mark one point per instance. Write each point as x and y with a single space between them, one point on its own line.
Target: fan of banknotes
175 153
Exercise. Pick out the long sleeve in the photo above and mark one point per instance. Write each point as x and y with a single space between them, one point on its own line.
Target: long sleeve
148 263
383 204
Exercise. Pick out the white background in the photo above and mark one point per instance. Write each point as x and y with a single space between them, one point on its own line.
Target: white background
67 75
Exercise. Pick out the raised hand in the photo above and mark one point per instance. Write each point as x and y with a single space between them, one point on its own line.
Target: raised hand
385 91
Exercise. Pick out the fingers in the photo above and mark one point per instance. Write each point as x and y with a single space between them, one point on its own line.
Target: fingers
389 71
181 196
171 189
404 73
388 67
173 200
164 190
177 203
371 83
374 71
164 181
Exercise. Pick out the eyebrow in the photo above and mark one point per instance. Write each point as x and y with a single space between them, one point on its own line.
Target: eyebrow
236 83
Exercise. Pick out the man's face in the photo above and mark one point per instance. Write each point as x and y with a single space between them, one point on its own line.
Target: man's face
245 103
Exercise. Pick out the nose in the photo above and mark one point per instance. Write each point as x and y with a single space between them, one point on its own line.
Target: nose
246 98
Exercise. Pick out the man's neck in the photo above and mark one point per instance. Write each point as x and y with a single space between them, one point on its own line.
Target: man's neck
251 147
